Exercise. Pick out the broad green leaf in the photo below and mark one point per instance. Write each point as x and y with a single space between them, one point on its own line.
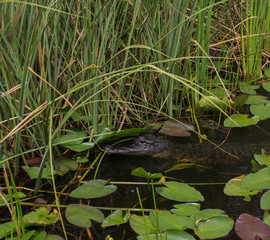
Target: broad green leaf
164 220
41 216
263 159
64 165
179 192
265 200
39 236
266 218
6 229
210 103
240 100
140 172
171 234
186 209
93 189
256 99
209 213
257 181
6 196
33 172
116 218
141 224
241 120
266 85
214 227
233 188
81 215
261 110
71 139
247 88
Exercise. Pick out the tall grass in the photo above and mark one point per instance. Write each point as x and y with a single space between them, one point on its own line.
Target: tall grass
117 63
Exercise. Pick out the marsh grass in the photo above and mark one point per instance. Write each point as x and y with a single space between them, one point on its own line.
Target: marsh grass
87 64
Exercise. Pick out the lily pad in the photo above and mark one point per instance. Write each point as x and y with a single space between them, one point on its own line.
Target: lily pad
93 189
164 220
247 88
116 218
64 165
250 228
34 171
140 172
241 120
186 209
256 99
257 181
176 128
214 227
265 200
209 213
171 234
41 216
53 237
266 218
266 85
141 224
263 159
81 215
261 110
179 192
233 188
7 198
211 103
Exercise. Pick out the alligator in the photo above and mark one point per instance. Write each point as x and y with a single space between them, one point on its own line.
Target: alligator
204 153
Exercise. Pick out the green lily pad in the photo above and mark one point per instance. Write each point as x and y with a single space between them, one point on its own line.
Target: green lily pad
256 99
186 209
164 220
241 120
81 215
93 189
179 192
263 159
171 234
247 88
240 100
261 110
266 218
41 216
140 172
211 103
265 200
34 171
141 224
214 227
64 165
53 237
257 181
233 188
266 85
7 198
116 218
208 213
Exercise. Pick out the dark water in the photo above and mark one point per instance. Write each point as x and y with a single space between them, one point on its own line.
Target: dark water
118 168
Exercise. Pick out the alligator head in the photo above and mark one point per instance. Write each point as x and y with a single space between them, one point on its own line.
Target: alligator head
141 146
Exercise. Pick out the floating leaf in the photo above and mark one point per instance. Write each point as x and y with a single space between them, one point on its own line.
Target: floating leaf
248 227
53 237
233 188
211 103
176 128
163 220
179 192
140 172
247 88
171 234
7 198
256 100
240 100
241 120
141 224
93 189
265 200
261 110
41 216
116 218
214 227
64 165
209 213
263 159
257 181
266 218
186 209
34 171
81 215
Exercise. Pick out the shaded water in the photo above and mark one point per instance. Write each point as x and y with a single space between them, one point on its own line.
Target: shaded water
210 182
